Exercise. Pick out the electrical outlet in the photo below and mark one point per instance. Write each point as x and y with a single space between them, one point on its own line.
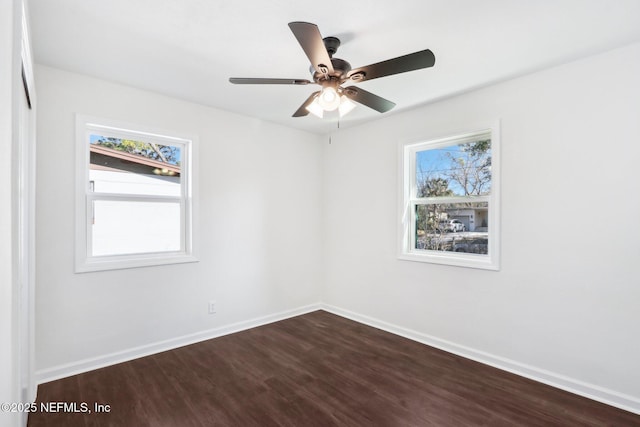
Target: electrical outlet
212 307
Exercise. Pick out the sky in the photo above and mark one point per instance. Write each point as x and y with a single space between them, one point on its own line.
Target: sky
434 163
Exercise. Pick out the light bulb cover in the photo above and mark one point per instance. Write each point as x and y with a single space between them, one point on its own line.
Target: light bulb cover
329 99
346 105
315 108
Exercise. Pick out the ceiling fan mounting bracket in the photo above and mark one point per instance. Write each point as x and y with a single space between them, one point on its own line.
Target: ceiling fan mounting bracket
332 44
350 91
358 76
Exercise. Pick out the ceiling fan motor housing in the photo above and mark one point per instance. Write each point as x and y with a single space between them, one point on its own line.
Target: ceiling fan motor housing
340 70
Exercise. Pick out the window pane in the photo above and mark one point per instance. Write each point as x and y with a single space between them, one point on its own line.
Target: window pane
453 227
126 166
127 227
456 170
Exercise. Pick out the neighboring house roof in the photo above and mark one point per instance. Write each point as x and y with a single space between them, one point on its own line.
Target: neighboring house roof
103 158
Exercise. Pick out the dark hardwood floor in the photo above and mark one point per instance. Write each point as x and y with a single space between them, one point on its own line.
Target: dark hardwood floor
313 370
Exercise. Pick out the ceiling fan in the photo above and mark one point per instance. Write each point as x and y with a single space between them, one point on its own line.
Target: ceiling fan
331 73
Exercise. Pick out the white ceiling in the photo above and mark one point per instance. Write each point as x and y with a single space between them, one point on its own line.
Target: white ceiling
189 48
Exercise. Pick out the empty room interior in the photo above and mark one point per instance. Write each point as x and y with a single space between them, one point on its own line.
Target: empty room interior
297 213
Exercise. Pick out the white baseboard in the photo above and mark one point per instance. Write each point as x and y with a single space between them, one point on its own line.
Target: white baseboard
67 370
591 391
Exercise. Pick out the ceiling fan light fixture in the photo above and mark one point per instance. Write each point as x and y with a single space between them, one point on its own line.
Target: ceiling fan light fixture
329 99
315 108
345 106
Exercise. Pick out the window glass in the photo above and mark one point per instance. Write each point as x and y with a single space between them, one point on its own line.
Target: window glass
127 166
455 170
455 227
132 227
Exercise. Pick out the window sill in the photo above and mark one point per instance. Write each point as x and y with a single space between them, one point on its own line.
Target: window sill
107 263
451 258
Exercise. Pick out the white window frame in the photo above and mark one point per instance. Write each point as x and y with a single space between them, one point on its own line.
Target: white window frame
408 200
84 261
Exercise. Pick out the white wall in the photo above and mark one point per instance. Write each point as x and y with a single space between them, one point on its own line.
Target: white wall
16 207
259 230
9 386
564 307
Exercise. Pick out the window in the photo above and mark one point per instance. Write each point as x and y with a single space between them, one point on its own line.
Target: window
450 200
134 198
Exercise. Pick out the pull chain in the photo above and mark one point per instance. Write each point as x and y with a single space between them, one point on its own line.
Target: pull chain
337 129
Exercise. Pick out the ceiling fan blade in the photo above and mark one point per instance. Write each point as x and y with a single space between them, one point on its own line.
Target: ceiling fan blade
258 81
309 37
302 111
367 98
402 64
